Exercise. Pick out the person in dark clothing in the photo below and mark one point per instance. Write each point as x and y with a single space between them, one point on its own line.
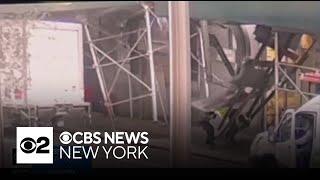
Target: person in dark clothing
208 127
304 134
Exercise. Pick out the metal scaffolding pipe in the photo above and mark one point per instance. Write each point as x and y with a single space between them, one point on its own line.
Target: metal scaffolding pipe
292 83
128 55
125 60
132 58
151 64
295 91
121 68
1 128
298 66
130 99
276 76
205 42
204 60
130 96
100 75
119 41
196 59
115 36
194 35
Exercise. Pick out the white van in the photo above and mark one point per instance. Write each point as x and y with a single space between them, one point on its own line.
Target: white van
294 143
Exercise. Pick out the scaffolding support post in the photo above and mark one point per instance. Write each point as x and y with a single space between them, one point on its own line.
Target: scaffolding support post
130 96
276 76
206 44
203 62
151 64
2 127
180 83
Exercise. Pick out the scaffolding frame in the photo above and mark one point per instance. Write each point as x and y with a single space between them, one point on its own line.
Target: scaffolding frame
279 69
99 64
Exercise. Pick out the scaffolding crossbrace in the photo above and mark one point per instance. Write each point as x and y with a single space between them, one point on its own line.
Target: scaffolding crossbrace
305 95
99 64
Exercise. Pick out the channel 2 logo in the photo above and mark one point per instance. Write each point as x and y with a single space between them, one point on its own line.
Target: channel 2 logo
34 145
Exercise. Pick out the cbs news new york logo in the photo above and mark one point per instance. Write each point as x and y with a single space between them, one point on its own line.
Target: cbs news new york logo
34 145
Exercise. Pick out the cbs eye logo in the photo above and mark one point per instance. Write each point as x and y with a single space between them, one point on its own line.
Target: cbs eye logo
34 145
29 145
65 137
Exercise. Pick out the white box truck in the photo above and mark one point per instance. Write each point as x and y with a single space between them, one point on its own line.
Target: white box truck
41 66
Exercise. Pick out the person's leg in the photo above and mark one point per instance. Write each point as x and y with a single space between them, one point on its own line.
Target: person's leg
307 159
209 131
302 160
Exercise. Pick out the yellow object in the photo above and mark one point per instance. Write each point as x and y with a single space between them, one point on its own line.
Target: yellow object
222 111
271 54
306 41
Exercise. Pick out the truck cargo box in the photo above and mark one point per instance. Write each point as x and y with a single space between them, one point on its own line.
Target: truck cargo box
41 63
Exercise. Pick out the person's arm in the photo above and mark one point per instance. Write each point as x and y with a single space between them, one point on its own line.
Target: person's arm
304 139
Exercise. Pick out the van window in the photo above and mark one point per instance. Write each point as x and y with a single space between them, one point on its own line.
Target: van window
304 122
284 131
